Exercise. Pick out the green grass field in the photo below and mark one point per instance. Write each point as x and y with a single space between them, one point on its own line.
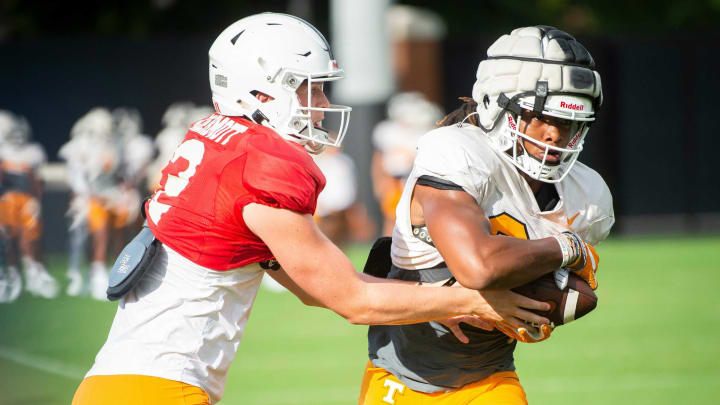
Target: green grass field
654 339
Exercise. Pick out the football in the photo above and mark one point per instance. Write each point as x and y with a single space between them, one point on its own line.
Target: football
574 302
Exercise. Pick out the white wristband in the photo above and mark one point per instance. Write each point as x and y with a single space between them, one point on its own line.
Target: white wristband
564 248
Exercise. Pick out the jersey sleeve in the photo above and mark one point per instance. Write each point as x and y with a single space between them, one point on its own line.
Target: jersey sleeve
598 205
602 218
281 181
441 155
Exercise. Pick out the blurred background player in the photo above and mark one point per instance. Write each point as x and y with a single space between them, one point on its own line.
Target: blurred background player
339 214
136 151
176 120
10 283
20 208
93 164
410 115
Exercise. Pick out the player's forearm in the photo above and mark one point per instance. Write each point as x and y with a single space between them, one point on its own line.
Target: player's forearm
481 261
394 302
510 262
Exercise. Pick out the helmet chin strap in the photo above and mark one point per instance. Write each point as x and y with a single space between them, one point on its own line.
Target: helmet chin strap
259 118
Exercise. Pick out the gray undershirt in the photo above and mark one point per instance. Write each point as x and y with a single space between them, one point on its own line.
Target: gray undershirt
427 357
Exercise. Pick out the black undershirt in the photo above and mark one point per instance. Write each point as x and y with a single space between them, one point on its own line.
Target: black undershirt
547 197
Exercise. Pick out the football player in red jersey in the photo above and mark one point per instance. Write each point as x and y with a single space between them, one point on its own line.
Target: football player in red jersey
237 199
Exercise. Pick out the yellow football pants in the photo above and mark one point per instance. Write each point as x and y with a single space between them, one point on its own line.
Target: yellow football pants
20 213
379 387
100 217
137 390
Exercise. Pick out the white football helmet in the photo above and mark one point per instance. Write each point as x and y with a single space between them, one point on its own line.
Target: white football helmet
7 125
413 109
274 54
97 124
199 112
177 113
14 129
21 133
546 71
127 122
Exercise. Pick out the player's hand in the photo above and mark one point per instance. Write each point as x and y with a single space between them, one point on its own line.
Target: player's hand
512 309
527 333
589 270
504 306
578 256
454 325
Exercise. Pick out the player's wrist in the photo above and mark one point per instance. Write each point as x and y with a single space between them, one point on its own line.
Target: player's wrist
571 248
564 249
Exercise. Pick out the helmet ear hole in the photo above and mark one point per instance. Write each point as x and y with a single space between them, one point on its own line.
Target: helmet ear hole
486 101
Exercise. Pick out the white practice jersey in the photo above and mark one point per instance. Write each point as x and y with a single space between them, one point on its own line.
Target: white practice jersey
464 156
92 166
182 322
341 186
137 153
397 143
23 157
19 164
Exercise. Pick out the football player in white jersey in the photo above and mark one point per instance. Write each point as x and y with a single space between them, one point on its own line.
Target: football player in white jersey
236 200
339 214
20 210
496 199
410 115
175 120
93 162
136 151
10 283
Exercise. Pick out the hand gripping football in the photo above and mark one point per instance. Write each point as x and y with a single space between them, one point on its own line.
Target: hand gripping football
566 305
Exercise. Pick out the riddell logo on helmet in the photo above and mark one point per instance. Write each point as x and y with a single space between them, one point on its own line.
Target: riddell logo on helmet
572 106
574 140
511 121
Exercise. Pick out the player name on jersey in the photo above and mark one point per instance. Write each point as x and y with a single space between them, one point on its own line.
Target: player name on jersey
218 128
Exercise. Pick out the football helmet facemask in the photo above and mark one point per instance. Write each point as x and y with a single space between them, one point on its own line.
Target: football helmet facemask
275 54
546 71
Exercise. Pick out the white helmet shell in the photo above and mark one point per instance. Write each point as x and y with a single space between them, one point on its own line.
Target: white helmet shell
177 114
414 110
127 122
96 124
22 131
7 125
274 54
540 69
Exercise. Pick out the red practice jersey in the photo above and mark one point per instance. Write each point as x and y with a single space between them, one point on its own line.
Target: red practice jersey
223 164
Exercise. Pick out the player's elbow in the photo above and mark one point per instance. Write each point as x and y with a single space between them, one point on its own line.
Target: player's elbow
358 309
354 314
358 319
476 274
478 281
310 301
